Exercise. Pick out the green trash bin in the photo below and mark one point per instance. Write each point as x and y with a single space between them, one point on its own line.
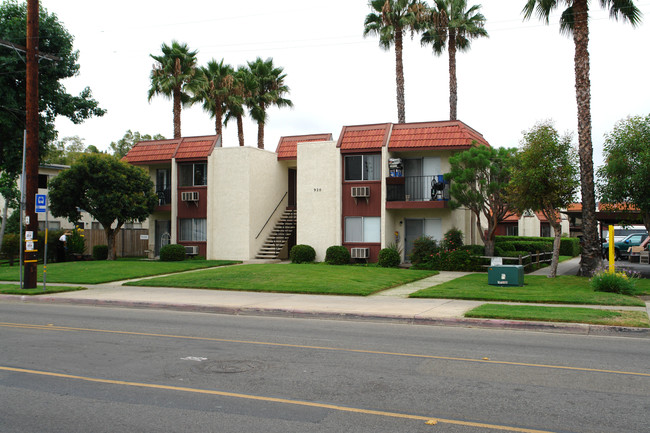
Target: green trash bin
506 275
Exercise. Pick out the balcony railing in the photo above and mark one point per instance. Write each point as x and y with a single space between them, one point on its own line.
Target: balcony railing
164 196
417 188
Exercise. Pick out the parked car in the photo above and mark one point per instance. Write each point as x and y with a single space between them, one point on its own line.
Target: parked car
620 248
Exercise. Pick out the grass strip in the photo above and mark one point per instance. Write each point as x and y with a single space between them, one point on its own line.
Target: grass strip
563 289
293 278
637 319
104 271
14 289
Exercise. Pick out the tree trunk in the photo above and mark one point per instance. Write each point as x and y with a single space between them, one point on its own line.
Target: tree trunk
590 249
177 111
240 130
399 76
557 230
260 135
111 234
453 84
3 225
218 120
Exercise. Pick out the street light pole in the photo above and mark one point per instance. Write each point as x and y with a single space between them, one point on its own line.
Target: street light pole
31 151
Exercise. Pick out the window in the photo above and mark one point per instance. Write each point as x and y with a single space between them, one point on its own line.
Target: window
363 167
42 181
545 230
362 229
193 229
512 230
193 174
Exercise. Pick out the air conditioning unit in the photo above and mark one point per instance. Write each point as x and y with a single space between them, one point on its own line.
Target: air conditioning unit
190 196
192 250
360 191
360 253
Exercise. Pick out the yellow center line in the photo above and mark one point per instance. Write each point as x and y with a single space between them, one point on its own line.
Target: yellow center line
429 420
333 349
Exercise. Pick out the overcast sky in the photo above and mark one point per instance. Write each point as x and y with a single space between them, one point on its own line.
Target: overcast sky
521 74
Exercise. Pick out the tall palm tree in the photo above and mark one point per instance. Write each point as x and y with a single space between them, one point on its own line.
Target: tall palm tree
217 83
235 102
575 21
389 21
173 76
269 91
450 24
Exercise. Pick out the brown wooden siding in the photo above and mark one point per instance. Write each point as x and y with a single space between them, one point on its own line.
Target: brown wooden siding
128 242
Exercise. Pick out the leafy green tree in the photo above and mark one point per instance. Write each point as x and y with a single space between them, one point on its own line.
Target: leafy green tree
214 90
478 180
389 20
452 25
575 21
174 76
65 151
243 87
545 178
122 146
625 177
53 99
110 190
269 90
11 195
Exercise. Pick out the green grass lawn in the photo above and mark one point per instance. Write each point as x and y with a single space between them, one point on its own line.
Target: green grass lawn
292 278
563 289
14 289
104 271
561 314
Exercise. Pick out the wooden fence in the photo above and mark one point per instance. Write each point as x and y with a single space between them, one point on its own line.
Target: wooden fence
129 242
534 260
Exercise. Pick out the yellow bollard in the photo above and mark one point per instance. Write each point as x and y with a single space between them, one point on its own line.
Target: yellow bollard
611 249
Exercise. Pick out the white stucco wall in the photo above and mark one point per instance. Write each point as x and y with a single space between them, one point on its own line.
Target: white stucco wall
319 196
244 186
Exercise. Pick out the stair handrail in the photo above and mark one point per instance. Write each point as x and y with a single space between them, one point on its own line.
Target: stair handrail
272 213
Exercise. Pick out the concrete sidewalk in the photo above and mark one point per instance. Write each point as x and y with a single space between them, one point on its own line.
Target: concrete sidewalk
392 305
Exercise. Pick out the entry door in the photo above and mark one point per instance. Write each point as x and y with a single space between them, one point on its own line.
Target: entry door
415 228
163 235
292 188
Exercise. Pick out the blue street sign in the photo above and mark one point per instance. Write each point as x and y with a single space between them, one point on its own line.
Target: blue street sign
41 203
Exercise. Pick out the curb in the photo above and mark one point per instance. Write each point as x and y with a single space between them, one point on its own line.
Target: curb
554 327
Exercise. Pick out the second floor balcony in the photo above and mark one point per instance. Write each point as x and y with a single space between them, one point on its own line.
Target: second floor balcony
416 192
164 196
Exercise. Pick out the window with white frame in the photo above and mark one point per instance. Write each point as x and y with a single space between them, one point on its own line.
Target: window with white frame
362 229
362 167
193 229
193 174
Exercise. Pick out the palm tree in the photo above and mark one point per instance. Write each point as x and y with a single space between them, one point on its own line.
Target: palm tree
269 90
235 101
389 21
575 21
450 23
217 83
173 76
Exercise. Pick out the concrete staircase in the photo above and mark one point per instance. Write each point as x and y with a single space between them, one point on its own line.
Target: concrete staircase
279 236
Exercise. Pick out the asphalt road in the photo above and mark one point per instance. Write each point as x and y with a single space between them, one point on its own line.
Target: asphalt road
89 369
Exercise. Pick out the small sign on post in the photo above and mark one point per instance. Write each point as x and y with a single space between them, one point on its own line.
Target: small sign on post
41 203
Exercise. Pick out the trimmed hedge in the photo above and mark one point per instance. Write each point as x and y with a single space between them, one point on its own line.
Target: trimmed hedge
100 252
568 246
302 254
389 258
172 253
337 255
456 260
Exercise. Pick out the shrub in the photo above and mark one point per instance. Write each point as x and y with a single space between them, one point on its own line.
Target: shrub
337 255
100 252
302 254
456 260
568 246
76 242
614 282
477 250
389 258
453 239
423 248
11 247
172 253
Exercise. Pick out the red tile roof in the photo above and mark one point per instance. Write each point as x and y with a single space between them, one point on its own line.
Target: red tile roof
364 137
452 134
157 151
288 146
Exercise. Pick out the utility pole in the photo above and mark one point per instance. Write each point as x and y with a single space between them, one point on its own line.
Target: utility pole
31 151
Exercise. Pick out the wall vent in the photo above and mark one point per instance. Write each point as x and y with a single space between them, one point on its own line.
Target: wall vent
360 191
360 253
190 196
192 250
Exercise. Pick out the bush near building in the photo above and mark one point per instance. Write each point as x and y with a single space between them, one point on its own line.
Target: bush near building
172 253
568 246
337 255
302 254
